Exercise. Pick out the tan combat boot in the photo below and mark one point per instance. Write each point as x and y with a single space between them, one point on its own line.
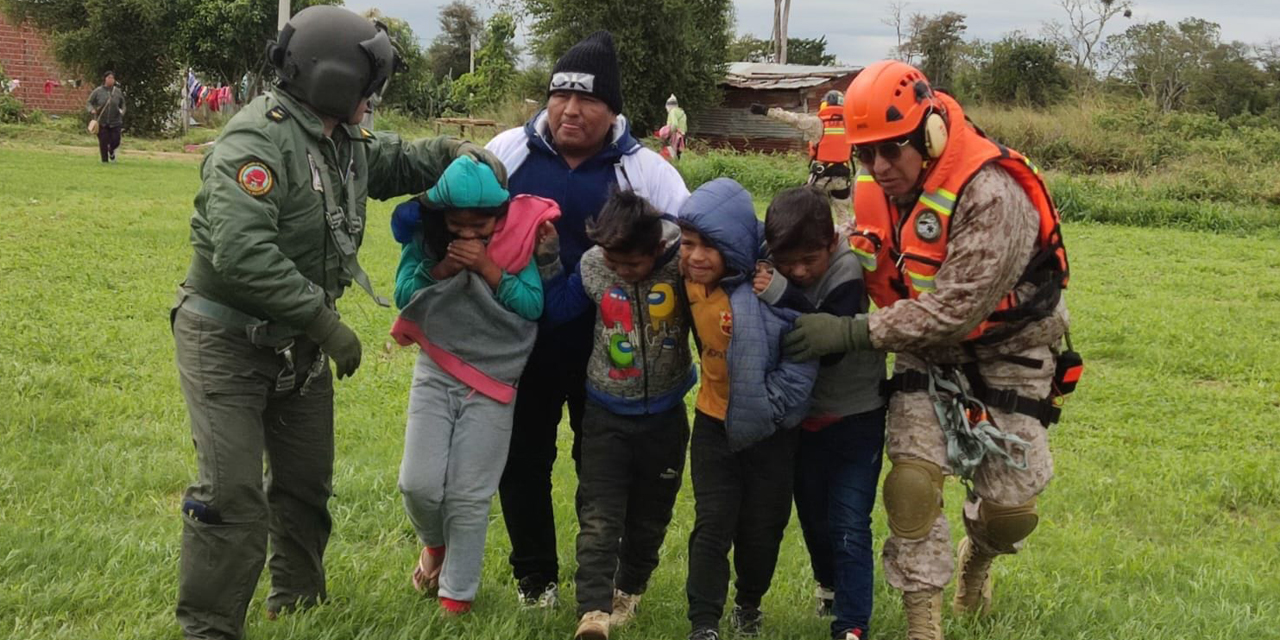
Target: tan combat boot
593 626
924 614
973 580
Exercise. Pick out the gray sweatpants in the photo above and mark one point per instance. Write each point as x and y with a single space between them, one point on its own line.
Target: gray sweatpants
455 447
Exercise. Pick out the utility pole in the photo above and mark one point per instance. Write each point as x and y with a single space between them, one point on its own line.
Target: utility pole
471 44
282 16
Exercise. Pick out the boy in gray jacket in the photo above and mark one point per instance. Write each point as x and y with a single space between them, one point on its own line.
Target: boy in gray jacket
838 464
635 428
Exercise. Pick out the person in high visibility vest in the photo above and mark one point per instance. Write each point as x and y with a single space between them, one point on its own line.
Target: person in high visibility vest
829 151
963 256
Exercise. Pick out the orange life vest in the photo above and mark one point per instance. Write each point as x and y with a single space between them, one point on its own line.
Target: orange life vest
901 255
832 147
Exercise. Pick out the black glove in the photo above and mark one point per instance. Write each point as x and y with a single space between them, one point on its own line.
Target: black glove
759 109
337 340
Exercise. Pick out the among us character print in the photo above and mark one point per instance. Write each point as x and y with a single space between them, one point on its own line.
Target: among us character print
616 315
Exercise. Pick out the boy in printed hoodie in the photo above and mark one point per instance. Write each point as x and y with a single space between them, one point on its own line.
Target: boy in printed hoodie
744 443
635 428
841 440
470 297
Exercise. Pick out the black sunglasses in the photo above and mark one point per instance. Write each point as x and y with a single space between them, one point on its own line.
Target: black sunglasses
889 150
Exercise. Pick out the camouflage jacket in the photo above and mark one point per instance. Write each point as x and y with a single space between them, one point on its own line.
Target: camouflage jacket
993 236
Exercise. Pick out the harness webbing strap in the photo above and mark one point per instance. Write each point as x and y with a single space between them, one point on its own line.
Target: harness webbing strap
343 225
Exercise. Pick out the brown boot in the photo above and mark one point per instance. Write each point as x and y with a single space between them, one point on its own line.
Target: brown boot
593 626
973 580
924 614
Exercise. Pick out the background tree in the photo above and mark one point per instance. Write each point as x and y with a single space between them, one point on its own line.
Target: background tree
1021 70
811 51
133 38
1162 61
676 46
896 19
1080 37
495 72
938 42
450 52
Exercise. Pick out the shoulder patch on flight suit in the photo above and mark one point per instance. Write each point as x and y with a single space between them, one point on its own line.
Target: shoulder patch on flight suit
366 133
255 178
277 114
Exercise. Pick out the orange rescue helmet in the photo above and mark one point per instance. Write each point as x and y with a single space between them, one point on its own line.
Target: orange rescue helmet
887 100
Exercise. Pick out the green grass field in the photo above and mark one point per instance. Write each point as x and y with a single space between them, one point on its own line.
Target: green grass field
1163 521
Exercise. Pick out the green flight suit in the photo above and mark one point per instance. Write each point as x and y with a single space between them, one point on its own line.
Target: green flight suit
278 218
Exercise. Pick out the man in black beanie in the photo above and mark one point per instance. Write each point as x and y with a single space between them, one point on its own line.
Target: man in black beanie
574 152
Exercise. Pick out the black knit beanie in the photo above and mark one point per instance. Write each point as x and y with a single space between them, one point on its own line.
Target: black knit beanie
590 67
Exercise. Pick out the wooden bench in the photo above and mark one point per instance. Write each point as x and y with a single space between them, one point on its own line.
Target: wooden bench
463 123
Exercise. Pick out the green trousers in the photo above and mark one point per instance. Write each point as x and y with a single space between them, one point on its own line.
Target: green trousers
239 411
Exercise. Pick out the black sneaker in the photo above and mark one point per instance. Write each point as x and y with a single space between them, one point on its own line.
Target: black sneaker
113 156
536 594
704 634
746 621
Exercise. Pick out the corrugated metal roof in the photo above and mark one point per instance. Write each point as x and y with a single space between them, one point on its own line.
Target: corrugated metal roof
765 75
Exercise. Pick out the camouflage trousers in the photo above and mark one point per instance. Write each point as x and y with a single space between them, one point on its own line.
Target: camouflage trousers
914 432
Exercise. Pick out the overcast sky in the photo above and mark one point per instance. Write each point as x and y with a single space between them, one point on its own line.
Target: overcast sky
856 34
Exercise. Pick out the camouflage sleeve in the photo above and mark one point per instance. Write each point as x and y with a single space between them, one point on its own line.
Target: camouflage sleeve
993 233
808 124
236 226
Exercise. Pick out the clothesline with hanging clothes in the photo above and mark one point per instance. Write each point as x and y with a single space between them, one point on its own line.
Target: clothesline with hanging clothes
212 97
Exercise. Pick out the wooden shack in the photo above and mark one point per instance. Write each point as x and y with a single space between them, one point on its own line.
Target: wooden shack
790 86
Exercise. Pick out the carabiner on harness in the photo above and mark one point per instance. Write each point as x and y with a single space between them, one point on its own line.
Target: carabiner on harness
971 434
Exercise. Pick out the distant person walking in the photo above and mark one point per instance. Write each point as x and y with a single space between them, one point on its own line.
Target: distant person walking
673 134
106 103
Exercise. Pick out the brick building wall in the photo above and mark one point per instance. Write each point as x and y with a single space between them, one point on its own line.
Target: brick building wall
25 55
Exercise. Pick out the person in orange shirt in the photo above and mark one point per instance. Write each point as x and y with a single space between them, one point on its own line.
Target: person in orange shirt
743 447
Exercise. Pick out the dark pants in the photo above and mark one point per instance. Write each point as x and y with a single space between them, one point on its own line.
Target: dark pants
837 471
555 375
631 472
108 141
237 416
741 500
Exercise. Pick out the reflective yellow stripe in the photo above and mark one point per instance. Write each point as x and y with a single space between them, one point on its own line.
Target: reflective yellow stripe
947 194
1032 165
921 282
863 177
936 202
836 130
868 260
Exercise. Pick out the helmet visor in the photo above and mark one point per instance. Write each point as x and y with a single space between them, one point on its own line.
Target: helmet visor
384 61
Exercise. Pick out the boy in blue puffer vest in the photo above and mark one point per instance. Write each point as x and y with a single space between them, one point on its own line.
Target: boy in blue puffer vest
744 442
635 427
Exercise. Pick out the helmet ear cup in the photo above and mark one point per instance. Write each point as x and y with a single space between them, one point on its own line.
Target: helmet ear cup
935 135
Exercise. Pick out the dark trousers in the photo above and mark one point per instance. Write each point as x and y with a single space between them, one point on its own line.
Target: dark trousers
627 485
237 416
555 375
741 500
108 141
837 471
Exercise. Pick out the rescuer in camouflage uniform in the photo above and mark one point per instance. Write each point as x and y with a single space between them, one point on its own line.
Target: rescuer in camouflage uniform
997 258
278 220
